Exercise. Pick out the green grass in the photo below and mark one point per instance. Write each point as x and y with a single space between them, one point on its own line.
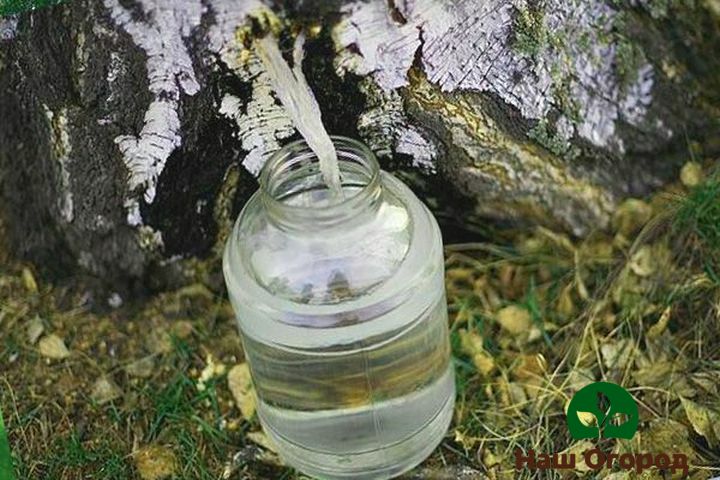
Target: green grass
70 453
697 222
537 313
700 213
189 417
6 464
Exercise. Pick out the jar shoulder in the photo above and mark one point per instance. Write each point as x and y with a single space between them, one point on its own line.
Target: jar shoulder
327 265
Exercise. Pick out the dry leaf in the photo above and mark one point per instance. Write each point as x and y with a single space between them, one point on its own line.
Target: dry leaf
665 435
29 280
663 373
470 342
578 449
579 378
35 329
558 239
490 458
642 263
653 374
155 462
52 346
565 304
466 441
617 354
240 384
263 440
530 373
704 421
515 320
512 394
707 381
530 367
579 282
484 363
657 329
517 394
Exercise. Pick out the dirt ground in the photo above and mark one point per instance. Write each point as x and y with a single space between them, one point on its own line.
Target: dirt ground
98 387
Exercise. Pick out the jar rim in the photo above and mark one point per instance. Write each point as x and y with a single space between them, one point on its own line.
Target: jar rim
299 151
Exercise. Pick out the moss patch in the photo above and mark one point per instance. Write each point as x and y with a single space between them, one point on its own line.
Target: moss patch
531 34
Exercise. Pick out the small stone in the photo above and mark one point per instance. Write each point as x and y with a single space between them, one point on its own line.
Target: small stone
34 330
105 391
691 174
142 368
155 462
115 300
52 346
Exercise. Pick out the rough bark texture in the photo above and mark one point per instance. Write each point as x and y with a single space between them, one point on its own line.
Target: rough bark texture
123 120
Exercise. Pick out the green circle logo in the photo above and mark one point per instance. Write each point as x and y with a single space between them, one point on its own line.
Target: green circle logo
602 410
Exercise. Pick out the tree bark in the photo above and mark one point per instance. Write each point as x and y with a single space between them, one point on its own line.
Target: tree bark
132 131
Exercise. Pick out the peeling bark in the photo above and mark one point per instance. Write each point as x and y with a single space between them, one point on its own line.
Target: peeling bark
124 120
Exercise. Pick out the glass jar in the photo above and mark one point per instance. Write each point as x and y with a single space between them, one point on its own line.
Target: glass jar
341 306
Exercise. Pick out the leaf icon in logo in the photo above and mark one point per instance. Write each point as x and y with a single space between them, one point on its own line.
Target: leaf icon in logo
587 418
603 404
602 410
619 418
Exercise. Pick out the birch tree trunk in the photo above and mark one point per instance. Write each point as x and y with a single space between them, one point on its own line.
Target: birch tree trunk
132 131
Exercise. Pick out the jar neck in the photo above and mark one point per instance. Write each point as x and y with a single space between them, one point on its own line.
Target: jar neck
295 195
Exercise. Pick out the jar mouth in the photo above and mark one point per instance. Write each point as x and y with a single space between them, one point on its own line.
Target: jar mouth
292 185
